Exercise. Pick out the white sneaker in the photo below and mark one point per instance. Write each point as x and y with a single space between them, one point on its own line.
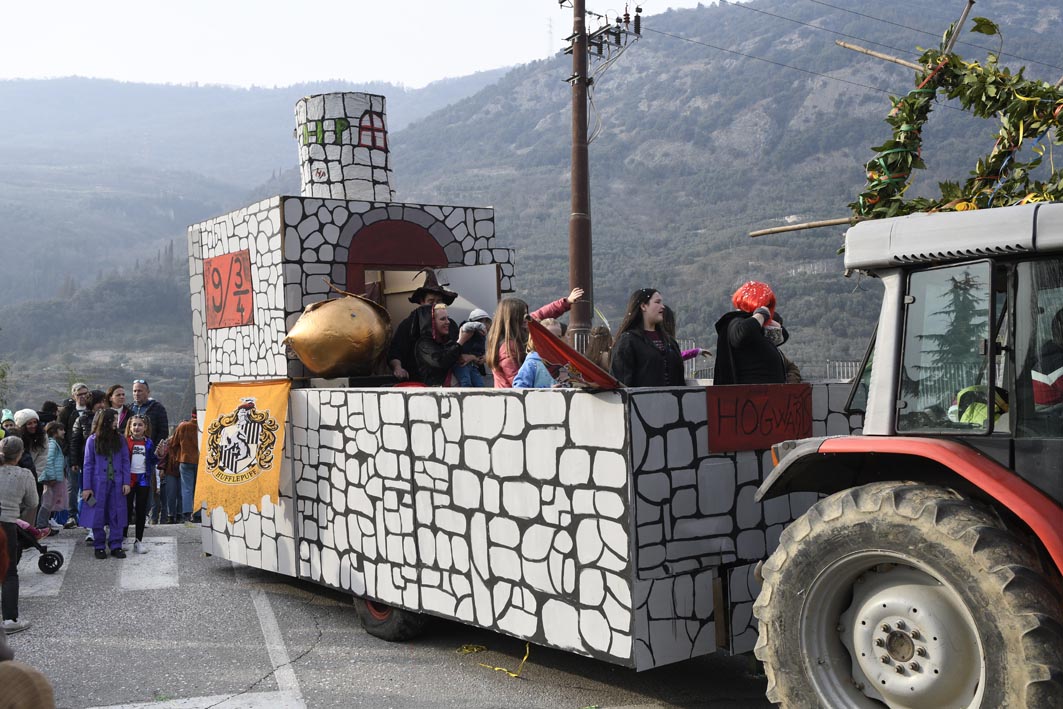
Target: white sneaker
89 539
139 548
55 526
15 626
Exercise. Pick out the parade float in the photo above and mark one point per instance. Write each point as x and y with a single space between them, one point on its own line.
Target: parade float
615 523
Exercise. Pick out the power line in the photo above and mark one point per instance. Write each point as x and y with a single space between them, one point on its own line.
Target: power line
931 34
786 66
745 6
762 59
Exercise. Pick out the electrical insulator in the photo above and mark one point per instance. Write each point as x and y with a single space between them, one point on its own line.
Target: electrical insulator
599 46
627 17
617 36
638 24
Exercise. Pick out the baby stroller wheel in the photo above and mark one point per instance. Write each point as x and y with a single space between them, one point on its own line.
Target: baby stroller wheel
50 562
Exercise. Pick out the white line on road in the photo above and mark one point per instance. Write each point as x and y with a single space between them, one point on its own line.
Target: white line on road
33 583
278 653
153 570
251 700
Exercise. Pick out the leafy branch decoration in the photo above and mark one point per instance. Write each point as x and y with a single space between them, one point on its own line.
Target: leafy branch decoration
1026 109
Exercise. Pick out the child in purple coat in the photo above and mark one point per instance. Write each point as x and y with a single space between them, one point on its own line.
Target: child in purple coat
106 481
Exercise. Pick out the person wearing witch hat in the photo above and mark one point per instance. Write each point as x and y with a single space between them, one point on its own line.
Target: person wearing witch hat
401 358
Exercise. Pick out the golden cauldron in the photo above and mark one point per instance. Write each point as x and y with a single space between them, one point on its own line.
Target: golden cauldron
342 337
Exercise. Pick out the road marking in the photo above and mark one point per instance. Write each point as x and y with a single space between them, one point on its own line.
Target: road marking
251 700
283 671
153 570
33 583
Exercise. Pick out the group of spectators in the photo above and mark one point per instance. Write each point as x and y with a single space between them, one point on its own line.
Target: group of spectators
430 348
97 462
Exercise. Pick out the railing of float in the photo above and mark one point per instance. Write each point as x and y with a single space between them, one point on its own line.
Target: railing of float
842 369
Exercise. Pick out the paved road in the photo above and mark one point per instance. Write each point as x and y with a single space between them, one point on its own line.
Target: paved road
174 629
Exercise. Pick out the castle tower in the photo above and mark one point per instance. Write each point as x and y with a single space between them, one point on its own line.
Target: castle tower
343 146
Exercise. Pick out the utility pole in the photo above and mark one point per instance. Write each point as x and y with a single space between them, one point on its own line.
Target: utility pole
607 42
580 266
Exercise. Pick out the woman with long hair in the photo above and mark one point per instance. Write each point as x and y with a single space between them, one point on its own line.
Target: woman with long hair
507 341
105 483
31 432
78 434
116 400
644 355
599 345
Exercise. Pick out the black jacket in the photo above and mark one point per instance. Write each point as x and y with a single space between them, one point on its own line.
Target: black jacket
743 354
68 416
434 359
404 341
158 421
79 433
636 362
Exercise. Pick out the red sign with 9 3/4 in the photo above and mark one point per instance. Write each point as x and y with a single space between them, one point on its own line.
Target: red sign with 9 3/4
227 286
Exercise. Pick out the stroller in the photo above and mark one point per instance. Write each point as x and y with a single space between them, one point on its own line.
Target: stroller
49 561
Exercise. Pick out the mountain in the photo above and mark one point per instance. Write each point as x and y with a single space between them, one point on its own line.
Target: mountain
696 147
97 173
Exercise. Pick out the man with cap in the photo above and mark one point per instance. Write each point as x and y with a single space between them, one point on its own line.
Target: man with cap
68 415
401 358
469 372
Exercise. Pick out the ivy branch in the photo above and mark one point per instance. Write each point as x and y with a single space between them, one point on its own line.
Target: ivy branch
1026 109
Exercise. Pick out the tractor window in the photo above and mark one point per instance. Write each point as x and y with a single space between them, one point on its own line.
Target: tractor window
944 361
1039 356
857 403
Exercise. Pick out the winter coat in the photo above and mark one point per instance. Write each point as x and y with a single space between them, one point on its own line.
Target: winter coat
509 356
53 469
635 361
77 435
150 463
744 355
533 374
107 491
68 416
18 495
184 445
434 359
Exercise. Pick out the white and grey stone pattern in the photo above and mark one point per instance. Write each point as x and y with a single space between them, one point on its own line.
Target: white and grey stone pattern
296 244
538 514
343 146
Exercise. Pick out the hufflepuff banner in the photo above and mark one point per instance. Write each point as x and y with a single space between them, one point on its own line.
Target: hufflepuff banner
243 444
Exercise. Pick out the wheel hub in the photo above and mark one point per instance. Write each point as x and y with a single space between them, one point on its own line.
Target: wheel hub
909 638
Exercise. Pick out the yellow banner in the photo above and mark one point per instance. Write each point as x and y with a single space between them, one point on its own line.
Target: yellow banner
243 444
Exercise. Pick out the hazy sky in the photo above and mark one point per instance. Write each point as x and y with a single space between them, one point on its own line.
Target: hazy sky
282 42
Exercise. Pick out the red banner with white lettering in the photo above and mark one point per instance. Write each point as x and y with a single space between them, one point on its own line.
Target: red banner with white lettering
745 417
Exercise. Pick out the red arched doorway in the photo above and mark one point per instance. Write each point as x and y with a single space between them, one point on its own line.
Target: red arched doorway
391 245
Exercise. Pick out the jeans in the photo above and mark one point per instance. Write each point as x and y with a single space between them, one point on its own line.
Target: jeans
188 486
468 375
9 590
171 496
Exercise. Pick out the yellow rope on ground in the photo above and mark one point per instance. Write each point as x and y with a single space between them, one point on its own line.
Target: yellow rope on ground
527 651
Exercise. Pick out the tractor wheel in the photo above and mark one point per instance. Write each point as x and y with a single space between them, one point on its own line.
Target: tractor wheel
387 622
905 595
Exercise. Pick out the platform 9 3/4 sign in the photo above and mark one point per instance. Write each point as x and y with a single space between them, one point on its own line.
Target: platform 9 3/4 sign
227 286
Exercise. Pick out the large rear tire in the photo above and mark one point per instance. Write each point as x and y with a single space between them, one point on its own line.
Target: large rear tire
904 595
387 622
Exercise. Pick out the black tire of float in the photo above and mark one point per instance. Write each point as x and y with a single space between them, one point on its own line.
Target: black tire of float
387 622
1016 605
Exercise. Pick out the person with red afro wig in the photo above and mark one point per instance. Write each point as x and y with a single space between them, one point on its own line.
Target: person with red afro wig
747 350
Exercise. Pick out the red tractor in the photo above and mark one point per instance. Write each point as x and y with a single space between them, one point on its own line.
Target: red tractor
929 574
